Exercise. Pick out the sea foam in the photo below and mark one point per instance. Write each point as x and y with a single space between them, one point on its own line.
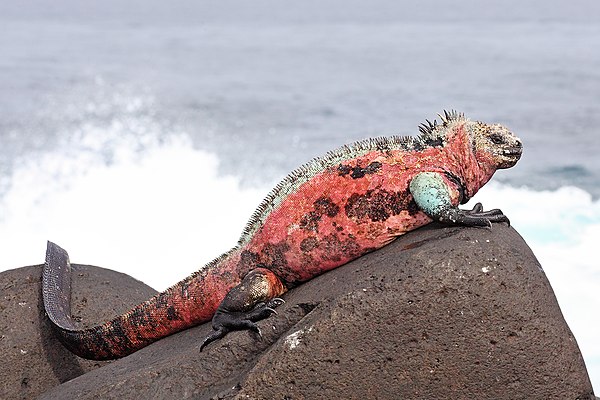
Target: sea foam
157 215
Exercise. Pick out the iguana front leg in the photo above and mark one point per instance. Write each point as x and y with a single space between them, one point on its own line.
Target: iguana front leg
252 300
433 195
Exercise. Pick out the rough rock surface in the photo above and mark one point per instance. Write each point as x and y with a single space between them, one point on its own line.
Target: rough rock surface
442 313
33 360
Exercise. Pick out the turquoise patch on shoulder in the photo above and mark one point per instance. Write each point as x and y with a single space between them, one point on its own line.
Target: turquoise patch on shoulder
430 192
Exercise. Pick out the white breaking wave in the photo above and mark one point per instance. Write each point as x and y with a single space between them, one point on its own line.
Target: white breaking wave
157 211
161 211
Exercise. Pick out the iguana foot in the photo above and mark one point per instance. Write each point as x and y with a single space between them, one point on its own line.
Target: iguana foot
437 198
224 321
250 301
477 217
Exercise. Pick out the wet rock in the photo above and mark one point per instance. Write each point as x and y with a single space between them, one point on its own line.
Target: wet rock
442 313
33 360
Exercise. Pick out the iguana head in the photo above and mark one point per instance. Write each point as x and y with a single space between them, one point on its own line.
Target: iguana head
494 144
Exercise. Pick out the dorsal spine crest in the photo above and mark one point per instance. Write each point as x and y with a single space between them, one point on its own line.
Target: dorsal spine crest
431 129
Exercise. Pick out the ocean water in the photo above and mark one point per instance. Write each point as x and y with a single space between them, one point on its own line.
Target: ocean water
141 136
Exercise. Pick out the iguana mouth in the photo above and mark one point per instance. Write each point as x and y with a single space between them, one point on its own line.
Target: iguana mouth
513 152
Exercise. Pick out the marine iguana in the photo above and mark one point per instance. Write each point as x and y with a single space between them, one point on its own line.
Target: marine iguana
335 208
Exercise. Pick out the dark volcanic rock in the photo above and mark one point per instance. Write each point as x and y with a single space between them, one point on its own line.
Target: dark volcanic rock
442 313
33 360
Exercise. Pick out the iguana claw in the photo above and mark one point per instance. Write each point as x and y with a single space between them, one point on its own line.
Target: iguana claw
225 321
477 217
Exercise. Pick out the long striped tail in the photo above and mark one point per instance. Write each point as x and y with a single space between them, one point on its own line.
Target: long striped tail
188 303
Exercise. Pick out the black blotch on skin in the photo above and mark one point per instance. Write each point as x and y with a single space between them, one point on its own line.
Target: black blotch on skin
358 171
138 317
334 248
412 207
309 244
142 316
118 334
322 206
162 300
273 257
118 338
310 221
337 227
248 260
326 206
377 205
101 341
344 169
172 314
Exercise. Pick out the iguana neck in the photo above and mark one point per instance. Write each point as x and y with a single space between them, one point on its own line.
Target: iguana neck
474 171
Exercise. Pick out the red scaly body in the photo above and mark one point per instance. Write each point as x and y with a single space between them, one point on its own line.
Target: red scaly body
323 215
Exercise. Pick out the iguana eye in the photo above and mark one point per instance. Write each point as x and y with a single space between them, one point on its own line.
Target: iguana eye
496 139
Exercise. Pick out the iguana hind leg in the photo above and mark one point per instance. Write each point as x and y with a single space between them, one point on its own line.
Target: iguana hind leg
252 300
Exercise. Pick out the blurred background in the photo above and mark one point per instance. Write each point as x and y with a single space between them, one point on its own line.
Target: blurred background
140 136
